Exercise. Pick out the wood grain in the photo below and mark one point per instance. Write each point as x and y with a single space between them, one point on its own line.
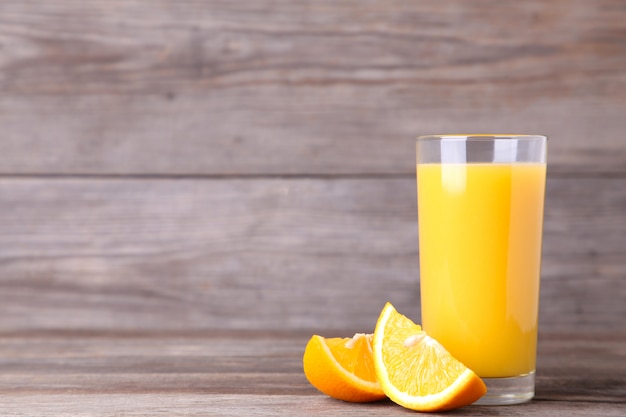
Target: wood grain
191 188
309 87
93 405
252 373
291 253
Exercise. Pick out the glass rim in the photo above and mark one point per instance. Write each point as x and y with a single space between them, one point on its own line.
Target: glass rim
481 136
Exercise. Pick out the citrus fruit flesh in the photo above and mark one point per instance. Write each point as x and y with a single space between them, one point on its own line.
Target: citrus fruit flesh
416 371
343 368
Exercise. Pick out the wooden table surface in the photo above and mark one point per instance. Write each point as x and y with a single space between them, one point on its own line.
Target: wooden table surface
233 373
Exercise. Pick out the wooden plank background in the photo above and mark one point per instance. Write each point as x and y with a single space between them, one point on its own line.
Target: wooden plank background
247 165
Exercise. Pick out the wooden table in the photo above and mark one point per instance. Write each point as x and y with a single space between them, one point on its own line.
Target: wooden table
258 374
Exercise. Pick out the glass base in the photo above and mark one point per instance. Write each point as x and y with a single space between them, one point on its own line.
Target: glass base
506 391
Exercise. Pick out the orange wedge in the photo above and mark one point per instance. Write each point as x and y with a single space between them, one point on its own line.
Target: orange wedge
417 372
342 368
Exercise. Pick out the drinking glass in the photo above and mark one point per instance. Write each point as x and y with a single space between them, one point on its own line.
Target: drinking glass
480 208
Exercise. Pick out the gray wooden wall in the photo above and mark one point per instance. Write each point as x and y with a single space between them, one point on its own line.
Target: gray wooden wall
241 164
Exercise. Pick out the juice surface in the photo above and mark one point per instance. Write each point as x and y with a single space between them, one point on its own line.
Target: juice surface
480 231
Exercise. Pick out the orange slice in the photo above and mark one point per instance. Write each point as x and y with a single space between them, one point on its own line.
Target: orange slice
417 372
342 368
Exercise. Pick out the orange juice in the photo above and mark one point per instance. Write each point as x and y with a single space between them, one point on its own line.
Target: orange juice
480 229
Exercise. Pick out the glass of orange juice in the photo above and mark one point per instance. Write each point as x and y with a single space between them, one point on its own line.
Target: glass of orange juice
480 208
